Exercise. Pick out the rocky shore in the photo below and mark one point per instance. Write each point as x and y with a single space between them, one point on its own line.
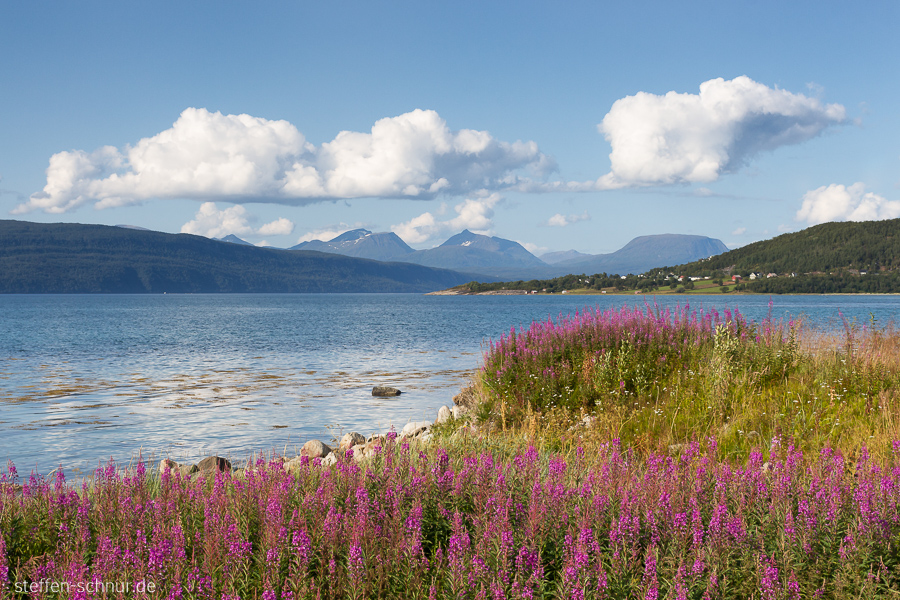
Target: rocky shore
360 447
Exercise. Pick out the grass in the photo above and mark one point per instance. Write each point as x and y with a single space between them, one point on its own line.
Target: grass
656 379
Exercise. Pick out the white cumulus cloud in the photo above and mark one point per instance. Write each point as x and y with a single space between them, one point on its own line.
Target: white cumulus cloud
214 223
326 234
836 202
207 156
474 214
678 138
561 220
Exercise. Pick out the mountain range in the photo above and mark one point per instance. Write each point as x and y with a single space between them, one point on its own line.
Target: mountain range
506 259
74 258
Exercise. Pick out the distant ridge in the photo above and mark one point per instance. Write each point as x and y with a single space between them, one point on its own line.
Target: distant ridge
73 258
552 258
495 257
362 243
233 239
477 253
646 252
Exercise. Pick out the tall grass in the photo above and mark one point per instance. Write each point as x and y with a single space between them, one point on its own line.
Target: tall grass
656 378
457 522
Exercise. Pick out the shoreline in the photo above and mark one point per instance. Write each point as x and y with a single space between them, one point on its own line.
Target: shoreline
419 430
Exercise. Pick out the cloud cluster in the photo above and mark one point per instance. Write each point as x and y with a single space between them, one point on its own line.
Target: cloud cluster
655 140
685 138
214 223
836 202
474 214
561 220
206 155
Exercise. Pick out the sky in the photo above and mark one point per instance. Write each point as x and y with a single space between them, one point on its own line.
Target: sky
569 125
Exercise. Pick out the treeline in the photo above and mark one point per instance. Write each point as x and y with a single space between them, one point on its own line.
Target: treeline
865 246
839 283
843 282
557 285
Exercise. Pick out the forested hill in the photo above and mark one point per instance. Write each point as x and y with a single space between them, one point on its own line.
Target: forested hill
73 258
868 245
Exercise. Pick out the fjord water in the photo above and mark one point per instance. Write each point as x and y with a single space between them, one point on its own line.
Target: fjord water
87 377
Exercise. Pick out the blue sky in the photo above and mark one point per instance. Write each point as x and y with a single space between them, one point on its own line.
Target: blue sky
562 126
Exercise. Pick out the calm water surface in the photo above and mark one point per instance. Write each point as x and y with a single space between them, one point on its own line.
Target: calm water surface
86 378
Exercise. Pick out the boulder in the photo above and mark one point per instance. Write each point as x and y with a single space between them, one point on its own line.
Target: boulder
414 428
380 390
359 452
443 415
315 449
167 465
188 470
214 463
329 460
459 412
350 439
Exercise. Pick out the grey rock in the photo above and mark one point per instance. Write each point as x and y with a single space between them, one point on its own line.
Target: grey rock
380 390
188 470
315 449
459 412
426 436
329 460
414 428
167 465
443 415
214 463
359 452
350 439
